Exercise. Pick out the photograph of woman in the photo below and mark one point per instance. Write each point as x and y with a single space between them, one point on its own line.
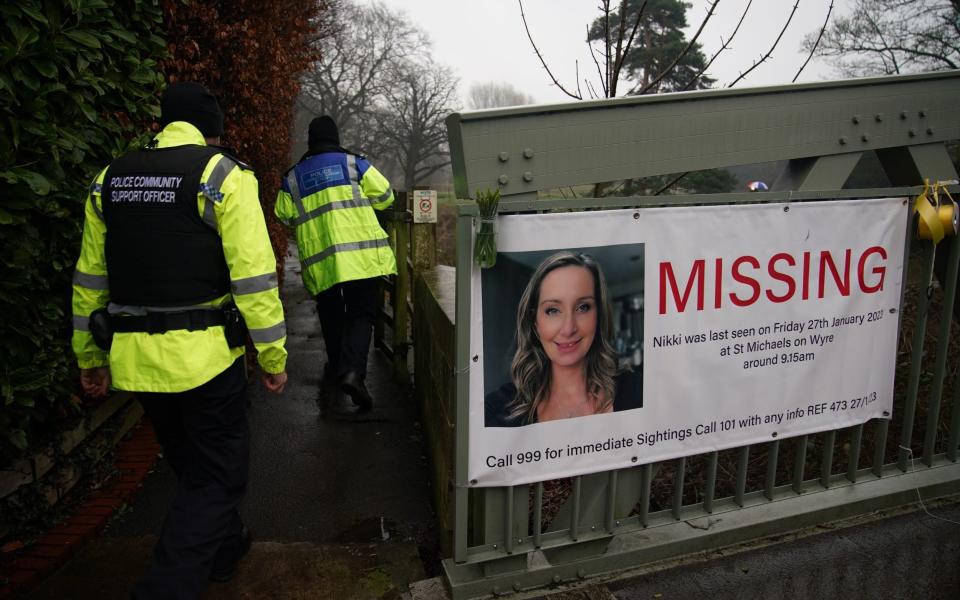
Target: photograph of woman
565 365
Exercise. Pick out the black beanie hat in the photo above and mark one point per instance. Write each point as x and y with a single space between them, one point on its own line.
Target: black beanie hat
191 102
323 131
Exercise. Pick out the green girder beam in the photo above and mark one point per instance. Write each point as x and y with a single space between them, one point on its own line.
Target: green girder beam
525 149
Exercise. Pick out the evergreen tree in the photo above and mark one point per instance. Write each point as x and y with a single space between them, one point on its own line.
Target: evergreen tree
658 42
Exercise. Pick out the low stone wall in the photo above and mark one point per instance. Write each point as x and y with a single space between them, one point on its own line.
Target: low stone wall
48 475
434 356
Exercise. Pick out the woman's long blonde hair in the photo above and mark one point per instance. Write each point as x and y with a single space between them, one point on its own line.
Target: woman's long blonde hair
530 368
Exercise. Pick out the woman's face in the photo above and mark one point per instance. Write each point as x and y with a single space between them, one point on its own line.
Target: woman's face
567 315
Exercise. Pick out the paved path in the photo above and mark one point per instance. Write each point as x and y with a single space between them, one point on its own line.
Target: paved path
339 508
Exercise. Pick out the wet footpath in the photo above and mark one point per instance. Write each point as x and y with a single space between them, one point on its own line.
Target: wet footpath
338 507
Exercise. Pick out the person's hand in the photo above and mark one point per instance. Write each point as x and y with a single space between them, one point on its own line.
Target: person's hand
274 382
95 381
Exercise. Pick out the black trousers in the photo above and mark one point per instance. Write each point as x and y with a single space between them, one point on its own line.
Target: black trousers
347 311
206 438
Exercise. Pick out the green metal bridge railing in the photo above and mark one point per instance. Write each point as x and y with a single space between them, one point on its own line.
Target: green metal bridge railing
620 520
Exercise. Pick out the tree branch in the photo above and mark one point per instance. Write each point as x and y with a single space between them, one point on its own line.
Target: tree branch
426 171
933 55
622 56
671 183
815 44
540 56
883 40
576 74
770 51
591 90
593 55
724 45
605 77
621 31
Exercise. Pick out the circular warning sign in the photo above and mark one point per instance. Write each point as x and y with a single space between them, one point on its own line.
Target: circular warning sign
426 203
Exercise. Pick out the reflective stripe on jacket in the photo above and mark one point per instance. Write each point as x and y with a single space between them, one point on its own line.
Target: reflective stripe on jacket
180 360
329 199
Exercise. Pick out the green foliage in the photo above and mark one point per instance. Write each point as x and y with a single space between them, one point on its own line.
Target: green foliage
78 80
710 181
485 247
659 41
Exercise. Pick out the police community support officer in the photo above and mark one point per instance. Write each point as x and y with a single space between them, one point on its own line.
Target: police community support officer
329 198
180 231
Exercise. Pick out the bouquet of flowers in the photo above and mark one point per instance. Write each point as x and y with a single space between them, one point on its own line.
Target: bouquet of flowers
485 244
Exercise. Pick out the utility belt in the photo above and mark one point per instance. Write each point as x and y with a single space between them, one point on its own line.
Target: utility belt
103 325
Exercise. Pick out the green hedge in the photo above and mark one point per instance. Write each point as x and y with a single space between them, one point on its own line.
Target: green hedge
78 84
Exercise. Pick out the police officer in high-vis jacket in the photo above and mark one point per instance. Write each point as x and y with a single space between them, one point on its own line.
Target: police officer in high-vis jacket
329 197
175 269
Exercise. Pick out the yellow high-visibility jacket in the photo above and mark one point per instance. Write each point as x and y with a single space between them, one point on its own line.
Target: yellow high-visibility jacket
329 199
180 360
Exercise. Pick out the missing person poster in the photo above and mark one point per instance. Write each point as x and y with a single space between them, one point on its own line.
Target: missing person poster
611 339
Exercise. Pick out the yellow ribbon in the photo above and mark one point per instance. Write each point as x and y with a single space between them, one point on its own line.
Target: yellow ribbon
937 219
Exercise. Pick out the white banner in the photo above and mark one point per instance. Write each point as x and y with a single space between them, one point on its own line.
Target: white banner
714 327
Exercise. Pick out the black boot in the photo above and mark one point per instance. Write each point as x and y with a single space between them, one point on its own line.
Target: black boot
225 564
353 385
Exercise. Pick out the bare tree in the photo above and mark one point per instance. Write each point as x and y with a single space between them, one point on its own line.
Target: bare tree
491 94
411 119
376 79
356 66
893 36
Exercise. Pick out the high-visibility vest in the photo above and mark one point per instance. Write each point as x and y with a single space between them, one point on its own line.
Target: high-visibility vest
178 360
329 199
